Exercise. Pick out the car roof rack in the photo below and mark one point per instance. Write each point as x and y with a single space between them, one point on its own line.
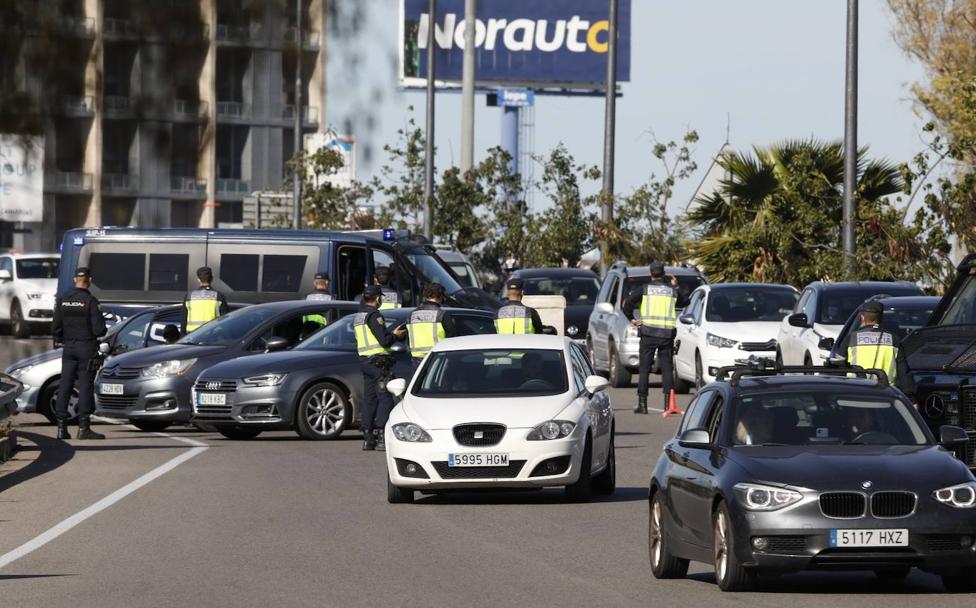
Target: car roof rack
767 367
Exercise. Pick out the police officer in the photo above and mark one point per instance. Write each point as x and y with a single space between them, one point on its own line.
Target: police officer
203 304
657 319
373 341
391 298
78 323
515 317
874 348
321 294
429 324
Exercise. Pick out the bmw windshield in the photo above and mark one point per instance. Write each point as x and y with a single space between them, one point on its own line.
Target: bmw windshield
491 373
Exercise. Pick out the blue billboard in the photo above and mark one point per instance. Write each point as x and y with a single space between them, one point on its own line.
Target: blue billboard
533 43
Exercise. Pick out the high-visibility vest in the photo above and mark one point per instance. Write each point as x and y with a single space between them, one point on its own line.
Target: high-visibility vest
202 306
391 299
513 319
317 296
426 328
657 308
367 344
874 349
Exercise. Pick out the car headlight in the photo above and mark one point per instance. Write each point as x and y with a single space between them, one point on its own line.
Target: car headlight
265 380
410 432
34 295
20 371
962 496
166 369
572 330
632 332
552 429
719 341
757 497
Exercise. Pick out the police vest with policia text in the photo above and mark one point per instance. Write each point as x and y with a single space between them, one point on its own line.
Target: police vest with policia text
513 319
658 314
874 349
203 306
317 296
425 328
391 299
367 344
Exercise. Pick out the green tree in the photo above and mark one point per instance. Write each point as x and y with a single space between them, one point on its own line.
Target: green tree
325 205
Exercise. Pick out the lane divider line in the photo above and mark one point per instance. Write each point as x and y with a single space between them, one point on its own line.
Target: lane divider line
198 447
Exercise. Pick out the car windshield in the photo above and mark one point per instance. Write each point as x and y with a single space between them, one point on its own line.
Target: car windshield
465 274
750 304
490 373
687 283
838 304
824 418
229 329
38 268
901 321
432 269
576 290
962 308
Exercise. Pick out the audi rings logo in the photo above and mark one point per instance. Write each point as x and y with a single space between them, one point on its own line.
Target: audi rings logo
212 385
935 406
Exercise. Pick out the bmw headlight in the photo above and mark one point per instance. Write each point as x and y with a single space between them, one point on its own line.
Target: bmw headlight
758 497
572 330
962 496
265 380
34 295
552 429
166 369
719 341
410 432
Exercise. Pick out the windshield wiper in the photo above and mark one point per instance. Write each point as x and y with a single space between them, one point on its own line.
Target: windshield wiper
762 445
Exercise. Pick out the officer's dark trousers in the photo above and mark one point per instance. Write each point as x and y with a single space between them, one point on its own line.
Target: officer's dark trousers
376 403
664 347
76 364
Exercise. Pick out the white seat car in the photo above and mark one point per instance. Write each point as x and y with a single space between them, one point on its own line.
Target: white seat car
28 283
726 322
501 411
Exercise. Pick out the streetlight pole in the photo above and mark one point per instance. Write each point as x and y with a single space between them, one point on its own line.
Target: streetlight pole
297 185
609 128
850 145
429 148
467 88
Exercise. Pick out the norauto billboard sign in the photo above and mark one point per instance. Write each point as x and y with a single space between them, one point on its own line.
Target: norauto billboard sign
535 43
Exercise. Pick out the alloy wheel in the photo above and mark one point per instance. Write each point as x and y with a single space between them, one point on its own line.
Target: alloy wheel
324 412
72 403
721 546
654 533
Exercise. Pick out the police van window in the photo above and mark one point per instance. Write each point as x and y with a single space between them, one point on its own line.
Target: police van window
168 271
118 271
239 271
351 272
283 273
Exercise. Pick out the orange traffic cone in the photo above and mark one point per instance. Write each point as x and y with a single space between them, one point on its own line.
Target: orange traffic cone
672 406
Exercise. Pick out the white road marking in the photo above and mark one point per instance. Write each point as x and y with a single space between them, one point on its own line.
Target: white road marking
59 529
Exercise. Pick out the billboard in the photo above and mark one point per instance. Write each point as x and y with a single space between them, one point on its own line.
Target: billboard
537 44
345 146
21 178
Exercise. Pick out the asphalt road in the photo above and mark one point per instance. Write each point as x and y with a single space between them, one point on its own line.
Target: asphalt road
279 521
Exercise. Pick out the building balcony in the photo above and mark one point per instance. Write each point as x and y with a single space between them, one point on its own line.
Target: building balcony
68 181
310 40
239 34
233 109
188 185
190 110
191 34
120 29
119 183
79 105
82 27
117 104
233 186
310 114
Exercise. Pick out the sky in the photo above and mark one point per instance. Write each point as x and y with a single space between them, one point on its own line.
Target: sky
768 69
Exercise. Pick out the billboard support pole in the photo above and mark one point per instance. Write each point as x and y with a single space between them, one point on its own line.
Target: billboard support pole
429 141
609 128
467 88
850 145
510 136
297 186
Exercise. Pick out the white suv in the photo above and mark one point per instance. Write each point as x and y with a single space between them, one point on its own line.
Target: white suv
28 283
727 322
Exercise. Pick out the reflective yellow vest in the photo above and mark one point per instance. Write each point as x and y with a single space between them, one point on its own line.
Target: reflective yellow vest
391 299
318 296
657 308
874 349
202 306
426 329
513 319
367 344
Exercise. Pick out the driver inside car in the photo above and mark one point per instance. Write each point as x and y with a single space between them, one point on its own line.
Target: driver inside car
755 426
532 372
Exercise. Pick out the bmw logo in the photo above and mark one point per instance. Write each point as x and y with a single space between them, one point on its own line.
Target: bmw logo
866 485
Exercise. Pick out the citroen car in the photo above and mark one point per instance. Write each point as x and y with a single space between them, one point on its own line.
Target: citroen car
776 470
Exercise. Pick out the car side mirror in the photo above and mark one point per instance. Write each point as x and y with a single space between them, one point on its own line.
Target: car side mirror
686 319
595 384
695 438
275 344
549 330
397 387
952 437
798 320
826 343
104 348
604 308
398 347
5 275
836 360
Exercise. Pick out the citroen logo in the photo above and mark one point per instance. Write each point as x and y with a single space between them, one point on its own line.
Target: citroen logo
935 406
212 385
866 485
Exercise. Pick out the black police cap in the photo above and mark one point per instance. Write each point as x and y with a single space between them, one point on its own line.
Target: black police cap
656 268
515 284
204 273
373 291
321 276
82 272
873 307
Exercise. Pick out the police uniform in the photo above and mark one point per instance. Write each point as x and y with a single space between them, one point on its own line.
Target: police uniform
373 342
391 299
319 295
78 323
202 305
871 347
515 317
428 325
654 304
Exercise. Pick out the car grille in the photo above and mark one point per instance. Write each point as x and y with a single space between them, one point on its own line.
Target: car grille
116 402
446 472
121 373
215 386
944 542
212 412
887 505
786 544
758 346
479 435
968 452
842 505
967 413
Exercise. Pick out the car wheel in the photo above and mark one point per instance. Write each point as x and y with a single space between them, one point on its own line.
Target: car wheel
323 412
396 494
619 376
963 581
663 564
18 326
606 481
238 433
48 401
151 426
699 373
681 387
580 491
893 573
729 573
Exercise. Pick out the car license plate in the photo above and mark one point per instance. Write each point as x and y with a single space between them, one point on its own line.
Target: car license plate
211 399
111 389
869 538
477 460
